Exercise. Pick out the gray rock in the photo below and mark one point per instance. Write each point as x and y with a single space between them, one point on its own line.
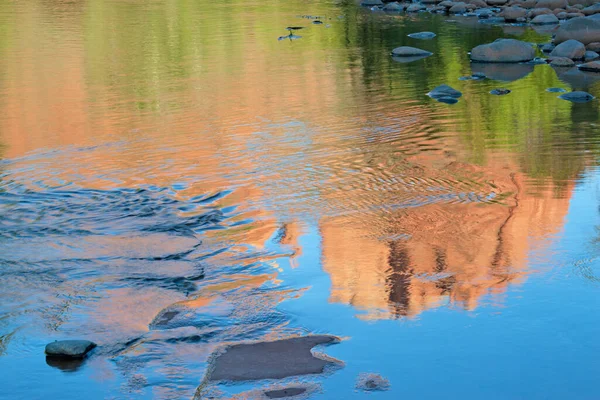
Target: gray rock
496 2
283 393
577 97
595 46
69 348
393 7
595 17
561 62
591 56
407 51
503 51
270 360
555 90
561 15
539 11
551 4
513 13
444 91
574 15
371 3
422 35
584 30
570 49
500 92
547 48
372 382
447 100
415 7
545 19
592 66
458 8
593 9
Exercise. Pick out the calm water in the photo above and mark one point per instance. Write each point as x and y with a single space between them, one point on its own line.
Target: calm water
173 155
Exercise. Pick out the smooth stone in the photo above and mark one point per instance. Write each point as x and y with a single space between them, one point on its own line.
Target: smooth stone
593 9
584 30
503 72
547 48
69 348
574 15
591 56
415 7
458 8
406 51
499 92
372 382
595 17
594 46
270 360
570 49
561 62
539 11
422 35
555 90
496 2
513 13
503 51
444 91
545 19
551 4
283 393
317 22
577 97
593 66
371 3
393 7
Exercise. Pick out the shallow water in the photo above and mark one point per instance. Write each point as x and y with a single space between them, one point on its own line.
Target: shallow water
174 178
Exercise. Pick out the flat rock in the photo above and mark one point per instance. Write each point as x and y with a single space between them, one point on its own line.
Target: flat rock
555 90
270 360
444 91
584 30
513 13
422 35
570 49
69 348
561 15
593 66
503 51
539 11
407 51
416 7
283 393
545 19
499 92
561 62
577 97
496 2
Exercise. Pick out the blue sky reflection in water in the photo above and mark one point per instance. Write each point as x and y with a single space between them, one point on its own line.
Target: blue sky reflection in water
174 178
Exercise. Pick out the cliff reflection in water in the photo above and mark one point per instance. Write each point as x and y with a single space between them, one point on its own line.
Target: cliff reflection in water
406 261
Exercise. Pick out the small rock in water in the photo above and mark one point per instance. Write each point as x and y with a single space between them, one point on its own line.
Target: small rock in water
422 35
591 56
372 382
593 66
555 90
478 76
570 49
500 92
577 97
371 3
287 392
393 7
69 348
561 62
444 91
503 51
406 51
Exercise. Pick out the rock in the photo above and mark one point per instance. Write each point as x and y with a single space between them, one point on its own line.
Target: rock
372 382
547 48
591 56
270 360
539 11
545 19
407 51
577 97
594 46
551 4
555 90
422 35
561 62
593 9
393 7
446 4
458 8
525 4
69 348
444 91
415 7
592 66
506 72
595 17
477 3
485 13
570 49
371 3
503 50
582 3
582 29
496 2
430 1
499 92
574 15
561 15
283 393
513 13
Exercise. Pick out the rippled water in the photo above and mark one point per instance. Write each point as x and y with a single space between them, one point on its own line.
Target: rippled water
174 178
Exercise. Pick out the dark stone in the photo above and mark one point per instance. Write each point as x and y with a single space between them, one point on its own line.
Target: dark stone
591 56
503 51
555 90
270 360
593 66
502 72
69 348
287 392
561 62
406 51
371 3
447 100
577 97
500 92
444 91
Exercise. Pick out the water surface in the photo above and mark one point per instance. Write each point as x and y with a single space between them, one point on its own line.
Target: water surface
174 178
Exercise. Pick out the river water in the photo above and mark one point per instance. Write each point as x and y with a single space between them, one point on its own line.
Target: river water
174 178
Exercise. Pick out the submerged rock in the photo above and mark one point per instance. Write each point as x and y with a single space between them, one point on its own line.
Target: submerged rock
545 19
407 51
69 348
577 97
443 91
584 30
393 7
593 66
371 3
422 35
503 51
570 49
287 392
561 62
415 7
270 360
499 92
372 382
555 90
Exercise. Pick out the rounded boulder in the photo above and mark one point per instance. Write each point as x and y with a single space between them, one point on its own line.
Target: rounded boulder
503 51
